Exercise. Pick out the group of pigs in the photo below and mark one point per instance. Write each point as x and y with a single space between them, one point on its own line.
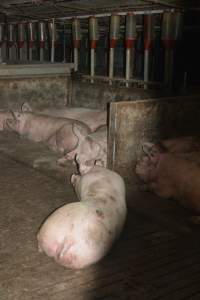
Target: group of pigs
77 234
171 169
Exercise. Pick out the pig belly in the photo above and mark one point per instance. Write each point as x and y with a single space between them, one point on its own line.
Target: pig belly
63 140
92 118
74 236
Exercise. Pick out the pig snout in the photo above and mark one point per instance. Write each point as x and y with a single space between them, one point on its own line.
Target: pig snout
10 124
83 169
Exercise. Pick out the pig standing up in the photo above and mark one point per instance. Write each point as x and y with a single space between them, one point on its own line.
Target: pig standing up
92 117
80 234
57 133
169 175
4 115
91 150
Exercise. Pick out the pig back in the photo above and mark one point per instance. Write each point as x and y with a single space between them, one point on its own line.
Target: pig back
92 117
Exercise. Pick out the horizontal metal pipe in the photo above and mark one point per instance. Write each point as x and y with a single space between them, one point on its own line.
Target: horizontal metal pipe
107 78
141 12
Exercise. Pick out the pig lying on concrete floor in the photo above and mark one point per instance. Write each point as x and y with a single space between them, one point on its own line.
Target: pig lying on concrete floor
57 133
170 176
91 149
80 234
4 115
181 144
92 117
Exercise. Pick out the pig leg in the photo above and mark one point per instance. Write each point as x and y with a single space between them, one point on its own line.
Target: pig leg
69 156
51 142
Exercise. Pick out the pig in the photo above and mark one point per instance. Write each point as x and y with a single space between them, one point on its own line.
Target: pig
91 149
57 133
92 117
181 144
79 234
4 115
170 176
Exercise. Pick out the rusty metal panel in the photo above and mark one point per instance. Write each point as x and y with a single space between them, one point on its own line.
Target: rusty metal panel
136 121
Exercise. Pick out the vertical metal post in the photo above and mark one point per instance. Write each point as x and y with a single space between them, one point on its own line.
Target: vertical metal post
76 34
171 32
148 44
114 33
31 40
52 34
130 39
1 41
11 40
21 38
42 38
93 30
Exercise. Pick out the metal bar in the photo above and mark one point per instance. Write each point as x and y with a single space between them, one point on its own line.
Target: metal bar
106 78
128 65
146 68
75 59
92 63
111 64
141 12
53 42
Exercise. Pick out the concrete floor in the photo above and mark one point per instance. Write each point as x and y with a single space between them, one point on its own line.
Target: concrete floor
157 256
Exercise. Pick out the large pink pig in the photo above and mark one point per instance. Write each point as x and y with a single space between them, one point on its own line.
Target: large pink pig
92 117
80 234
4 115
57 133
91 149
170 175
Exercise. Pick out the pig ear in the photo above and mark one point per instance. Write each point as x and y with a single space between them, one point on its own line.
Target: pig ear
78 131
26 107
149 149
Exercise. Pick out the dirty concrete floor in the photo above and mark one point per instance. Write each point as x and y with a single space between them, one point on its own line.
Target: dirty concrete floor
157 256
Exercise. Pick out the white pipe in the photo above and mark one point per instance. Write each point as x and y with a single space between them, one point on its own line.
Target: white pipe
128 65
111 64
92 63
75 59
53 42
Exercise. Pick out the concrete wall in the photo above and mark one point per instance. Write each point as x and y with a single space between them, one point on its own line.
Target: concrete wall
132 123
40 85
98 95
